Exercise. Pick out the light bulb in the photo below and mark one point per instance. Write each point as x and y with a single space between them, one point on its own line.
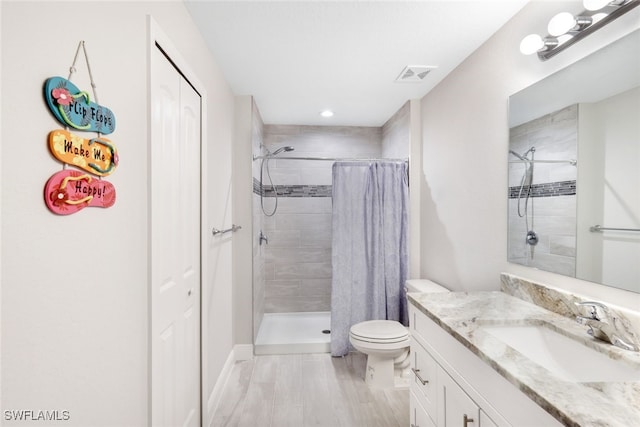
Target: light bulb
595 4
561 23
327 113
531 44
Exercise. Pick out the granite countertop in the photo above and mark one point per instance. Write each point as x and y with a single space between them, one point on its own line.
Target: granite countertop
462 314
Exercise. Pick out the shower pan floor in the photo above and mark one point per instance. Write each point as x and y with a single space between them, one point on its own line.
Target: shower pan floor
294 333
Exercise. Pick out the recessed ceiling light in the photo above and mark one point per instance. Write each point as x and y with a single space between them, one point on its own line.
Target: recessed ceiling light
326 113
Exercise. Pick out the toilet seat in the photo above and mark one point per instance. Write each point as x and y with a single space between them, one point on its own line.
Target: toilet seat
386 344
379 332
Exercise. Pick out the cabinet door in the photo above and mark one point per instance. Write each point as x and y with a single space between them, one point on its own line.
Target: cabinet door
456 409
419 417
425 372
485 421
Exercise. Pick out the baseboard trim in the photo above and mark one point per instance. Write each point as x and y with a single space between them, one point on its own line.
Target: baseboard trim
239 353
243 352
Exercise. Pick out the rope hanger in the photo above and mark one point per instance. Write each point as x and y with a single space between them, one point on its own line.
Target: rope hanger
72 69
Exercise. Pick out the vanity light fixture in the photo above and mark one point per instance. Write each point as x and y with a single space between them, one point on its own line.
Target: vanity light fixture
599 4
566 29
564 22
534 43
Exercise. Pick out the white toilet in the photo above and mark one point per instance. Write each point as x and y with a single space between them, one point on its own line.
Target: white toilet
386 344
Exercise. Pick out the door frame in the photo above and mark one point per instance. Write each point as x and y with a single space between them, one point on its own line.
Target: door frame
158 39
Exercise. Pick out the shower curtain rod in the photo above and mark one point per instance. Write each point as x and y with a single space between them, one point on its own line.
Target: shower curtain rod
332 159
572 162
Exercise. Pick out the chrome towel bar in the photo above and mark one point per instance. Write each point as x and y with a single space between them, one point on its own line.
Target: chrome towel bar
598 228
233 229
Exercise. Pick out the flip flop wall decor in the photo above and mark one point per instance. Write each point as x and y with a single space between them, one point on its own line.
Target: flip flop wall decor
69 191
72 107
96 155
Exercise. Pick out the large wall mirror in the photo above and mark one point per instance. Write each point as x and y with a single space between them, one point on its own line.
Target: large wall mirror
574 169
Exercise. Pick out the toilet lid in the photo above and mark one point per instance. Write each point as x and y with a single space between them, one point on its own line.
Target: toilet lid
380 331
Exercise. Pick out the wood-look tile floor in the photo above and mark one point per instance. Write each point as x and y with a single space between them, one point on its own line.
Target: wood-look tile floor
304 390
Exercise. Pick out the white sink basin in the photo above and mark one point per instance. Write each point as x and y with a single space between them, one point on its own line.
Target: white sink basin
565 357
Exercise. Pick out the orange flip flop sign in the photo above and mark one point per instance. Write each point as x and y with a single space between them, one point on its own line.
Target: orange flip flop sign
98 156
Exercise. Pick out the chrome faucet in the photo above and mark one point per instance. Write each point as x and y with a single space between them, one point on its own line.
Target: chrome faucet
604 329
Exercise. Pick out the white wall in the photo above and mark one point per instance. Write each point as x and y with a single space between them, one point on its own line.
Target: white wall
402 139
75 288
465 140
242 215
415 188
396 134
255 210
1 198
590 200
611 146
621 251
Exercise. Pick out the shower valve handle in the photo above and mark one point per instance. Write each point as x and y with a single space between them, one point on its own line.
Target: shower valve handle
263 238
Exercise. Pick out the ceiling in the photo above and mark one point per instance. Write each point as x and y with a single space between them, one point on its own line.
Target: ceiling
297 58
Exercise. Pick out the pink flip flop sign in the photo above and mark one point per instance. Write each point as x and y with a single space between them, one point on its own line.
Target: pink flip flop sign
69 191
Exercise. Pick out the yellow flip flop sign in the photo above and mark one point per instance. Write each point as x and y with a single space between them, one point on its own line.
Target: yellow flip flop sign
96 155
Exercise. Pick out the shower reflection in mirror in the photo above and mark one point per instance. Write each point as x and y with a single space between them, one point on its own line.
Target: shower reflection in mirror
542 172
524 194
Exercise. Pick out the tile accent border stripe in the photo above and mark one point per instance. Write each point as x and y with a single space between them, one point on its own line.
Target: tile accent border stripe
256 187
549 189
293 190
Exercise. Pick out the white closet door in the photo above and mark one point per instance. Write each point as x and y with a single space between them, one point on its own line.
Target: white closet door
175 247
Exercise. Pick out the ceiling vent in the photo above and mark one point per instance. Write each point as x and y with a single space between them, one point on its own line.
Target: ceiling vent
414 73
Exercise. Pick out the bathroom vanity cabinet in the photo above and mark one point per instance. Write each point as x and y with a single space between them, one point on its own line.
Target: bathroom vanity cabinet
452 387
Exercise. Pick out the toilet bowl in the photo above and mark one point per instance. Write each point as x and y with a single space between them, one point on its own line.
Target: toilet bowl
386 344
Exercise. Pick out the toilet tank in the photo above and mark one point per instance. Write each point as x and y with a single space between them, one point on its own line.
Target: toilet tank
424 286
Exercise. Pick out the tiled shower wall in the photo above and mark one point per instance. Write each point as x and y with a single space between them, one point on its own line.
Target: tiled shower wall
297 259
553 202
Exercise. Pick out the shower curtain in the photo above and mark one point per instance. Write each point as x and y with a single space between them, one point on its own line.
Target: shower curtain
369 249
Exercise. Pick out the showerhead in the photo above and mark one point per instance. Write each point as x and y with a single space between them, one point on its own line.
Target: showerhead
524 157
281 149
527 178
517 155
